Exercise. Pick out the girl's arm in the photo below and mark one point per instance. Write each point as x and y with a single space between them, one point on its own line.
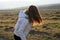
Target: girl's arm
22 22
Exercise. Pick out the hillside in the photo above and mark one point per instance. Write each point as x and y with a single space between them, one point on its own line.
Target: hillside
51 6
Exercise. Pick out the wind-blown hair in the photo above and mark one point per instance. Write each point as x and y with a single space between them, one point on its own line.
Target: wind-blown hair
33 14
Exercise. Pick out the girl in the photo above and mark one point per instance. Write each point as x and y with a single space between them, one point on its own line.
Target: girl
25 21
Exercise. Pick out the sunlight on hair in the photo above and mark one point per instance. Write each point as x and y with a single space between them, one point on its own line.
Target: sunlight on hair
35 23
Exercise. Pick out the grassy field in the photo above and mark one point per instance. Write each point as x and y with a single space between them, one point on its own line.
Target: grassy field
50 30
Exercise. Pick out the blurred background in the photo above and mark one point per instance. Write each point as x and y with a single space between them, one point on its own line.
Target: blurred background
50 13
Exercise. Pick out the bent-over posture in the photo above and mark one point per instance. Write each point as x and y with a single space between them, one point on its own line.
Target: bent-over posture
25 22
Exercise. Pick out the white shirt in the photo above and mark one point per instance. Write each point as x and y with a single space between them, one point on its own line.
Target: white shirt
22 26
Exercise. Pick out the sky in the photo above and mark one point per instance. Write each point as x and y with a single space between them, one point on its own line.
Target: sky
9 4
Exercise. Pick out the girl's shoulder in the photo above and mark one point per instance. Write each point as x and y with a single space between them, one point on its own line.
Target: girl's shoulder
22 14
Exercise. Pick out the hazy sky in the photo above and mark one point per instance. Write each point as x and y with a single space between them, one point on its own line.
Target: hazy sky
8 4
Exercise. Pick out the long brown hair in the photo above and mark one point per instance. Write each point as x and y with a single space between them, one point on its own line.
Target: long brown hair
33 14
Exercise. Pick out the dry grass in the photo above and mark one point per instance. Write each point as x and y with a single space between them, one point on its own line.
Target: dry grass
50 30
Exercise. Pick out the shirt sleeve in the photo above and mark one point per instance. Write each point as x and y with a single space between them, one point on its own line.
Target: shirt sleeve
21 14
28 29
21 24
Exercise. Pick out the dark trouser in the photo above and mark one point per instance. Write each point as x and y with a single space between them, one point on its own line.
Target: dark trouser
16 37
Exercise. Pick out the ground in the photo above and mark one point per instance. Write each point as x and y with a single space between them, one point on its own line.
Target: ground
49 30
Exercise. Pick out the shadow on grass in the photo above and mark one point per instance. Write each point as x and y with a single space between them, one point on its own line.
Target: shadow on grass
57 35
3 38
33 32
